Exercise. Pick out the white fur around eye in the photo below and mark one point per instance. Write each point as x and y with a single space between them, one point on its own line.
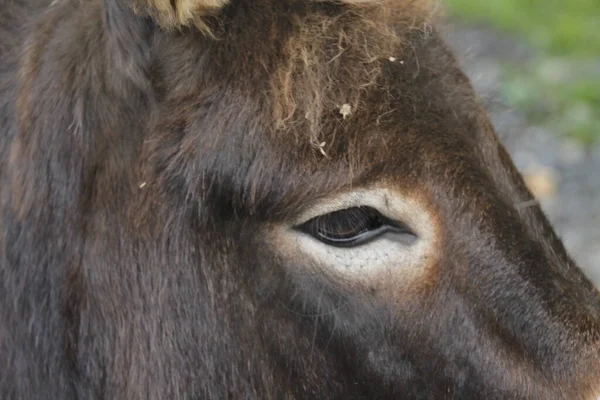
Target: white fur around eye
388 253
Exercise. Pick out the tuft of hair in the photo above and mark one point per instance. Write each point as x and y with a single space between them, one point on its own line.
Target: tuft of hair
332 62
174 14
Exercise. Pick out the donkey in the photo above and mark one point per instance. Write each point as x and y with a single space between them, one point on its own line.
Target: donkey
268 199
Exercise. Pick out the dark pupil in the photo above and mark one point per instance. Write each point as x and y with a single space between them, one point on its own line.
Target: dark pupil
350 227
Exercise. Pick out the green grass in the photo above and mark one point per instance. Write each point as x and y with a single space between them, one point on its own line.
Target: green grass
561 87
570 104
561 27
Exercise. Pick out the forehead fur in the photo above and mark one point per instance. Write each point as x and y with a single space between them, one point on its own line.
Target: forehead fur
333 60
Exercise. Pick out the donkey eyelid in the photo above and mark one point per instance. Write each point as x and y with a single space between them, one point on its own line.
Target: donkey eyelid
341 202
381 200
394 205
352 227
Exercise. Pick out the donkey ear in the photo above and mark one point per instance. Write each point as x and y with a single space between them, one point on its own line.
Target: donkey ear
172 14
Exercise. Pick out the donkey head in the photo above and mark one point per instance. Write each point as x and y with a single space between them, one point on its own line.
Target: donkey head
291 199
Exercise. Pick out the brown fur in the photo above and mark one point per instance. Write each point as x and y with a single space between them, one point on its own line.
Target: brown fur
179 13
145 167
330 61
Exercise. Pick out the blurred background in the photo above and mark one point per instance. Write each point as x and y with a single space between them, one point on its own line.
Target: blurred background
536 64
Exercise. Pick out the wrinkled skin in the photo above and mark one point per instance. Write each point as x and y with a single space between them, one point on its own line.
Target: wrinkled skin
143 174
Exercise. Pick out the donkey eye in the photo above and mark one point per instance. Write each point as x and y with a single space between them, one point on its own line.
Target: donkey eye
351 227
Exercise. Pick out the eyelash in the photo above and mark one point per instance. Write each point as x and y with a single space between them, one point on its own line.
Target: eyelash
351 227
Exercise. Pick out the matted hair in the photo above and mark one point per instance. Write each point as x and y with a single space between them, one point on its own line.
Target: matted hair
330 62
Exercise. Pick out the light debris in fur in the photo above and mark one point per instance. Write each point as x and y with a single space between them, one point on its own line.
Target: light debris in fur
393 59
526 204
346 110
321 147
